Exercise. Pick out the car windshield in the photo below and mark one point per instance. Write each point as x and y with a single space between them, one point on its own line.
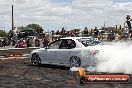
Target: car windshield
89 41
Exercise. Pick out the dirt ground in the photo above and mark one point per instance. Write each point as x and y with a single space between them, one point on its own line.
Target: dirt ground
21 74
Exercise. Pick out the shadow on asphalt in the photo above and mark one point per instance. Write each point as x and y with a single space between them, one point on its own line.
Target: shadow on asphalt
51 66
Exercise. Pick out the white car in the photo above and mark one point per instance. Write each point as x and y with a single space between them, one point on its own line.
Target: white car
69 51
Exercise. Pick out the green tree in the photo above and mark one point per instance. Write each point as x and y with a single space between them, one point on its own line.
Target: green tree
20 28
2 33
37 27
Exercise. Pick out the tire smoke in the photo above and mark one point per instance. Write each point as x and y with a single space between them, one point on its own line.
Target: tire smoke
115 58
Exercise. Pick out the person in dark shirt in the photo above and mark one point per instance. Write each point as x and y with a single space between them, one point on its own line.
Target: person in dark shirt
45 42
4 42
96 32
128 21
28 42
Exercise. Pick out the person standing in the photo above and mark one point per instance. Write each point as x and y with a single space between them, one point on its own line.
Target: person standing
33 42
21 43
96 32
37 42
28 42
128 21
125 34
4 42
45 42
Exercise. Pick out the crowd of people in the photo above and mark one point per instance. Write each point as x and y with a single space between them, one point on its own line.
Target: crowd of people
25 42
32 42
108 35
43 42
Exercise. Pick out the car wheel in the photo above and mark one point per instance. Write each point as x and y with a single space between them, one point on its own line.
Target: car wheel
75 61
36 61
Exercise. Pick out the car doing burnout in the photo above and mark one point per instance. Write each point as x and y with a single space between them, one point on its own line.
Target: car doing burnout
69 51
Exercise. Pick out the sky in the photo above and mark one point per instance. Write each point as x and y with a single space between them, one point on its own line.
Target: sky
55 14
122 1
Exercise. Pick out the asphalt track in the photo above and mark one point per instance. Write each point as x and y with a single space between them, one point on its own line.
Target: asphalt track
19 73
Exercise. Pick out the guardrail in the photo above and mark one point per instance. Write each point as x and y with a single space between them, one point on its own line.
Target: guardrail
16 51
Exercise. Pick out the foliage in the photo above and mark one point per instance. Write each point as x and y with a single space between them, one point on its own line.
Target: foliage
2 33
24 28
37 27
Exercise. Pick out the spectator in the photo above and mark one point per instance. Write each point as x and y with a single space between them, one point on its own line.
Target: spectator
72 34
21 43
57 33
13 42
45 42
1 43
96 32
34 32
116 36
33 42
37 42
28 42
112 35
109 37
86 32
52 32
128 19
125 34
4 42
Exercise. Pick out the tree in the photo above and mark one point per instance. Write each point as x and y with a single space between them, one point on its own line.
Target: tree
37 27
20 28
2 33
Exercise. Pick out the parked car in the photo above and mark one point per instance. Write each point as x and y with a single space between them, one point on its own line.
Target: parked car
69 51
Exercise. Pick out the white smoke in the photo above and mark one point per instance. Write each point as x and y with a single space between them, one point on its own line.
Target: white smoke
115 58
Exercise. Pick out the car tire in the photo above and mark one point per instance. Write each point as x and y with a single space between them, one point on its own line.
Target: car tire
35 59
75 61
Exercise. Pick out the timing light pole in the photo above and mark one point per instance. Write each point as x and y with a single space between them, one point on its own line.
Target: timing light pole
12 17
14 37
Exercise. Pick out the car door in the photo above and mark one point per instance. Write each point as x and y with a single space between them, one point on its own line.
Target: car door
65 50
51 53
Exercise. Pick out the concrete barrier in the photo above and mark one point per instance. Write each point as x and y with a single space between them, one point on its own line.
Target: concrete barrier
16 51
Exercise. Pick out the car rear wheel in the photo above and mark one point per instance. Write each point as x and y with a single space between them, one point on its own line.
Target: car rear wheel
75 61
36 61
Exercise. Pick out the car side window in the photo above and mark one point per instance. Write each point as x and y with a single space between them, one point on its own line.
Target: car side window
55 45
71 44
67 44
64 44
